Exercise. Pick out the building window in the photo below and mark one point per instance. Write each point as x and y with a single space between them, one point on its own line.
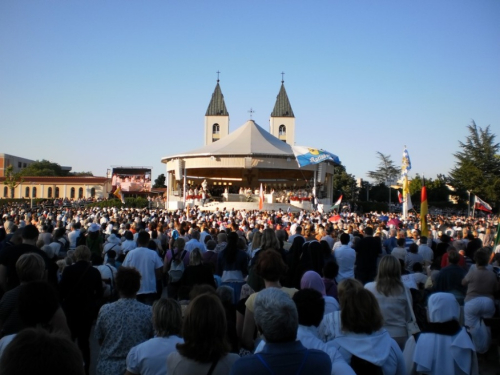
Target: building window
19 164
27 192
215 132
80 193
5 192
92 192
282 133
72 192
33 192
57 193
24 165
49 192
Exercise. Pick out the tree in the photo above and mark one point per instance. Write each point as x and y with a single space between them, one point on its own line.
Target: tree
344 183
44 168
160 182
12 180
478 166
386 169
81 174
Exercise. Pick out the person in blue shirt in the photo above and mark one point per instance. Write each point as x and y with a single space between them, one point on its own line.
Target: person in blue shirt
277 320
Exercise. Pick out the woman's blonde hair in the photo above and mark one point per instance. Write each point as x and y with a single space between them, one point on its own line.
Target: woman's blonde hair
389 277
257 239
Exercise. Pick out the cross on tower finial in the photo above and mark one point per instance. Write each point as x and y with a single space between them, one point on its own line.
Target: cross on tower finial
282 77
251 113
218 76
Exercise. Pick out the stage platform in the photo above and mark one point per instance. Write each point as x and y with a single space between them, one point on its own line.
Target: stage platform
248 206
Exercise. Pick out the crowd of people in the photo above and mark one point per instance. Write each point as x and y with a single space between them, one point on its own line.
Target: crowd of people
244 292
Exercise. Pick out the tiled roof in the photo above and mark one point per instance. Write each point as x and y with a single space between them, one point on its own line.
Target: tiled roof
217 106
282 108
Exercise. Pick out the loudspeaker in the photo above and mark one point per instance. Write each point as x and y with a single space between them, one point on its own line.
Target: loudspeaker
179 169
321 173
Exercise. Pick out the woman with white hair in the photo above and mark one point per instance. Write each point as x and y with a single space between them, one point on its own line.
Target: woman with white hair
444 347
277 318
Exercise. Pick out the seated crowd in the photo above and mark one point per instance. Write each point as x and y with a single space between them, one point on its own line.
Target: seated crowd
243 293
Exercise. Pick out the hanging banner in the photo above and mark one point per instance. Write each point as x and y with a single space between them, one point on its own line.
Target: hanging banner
306 155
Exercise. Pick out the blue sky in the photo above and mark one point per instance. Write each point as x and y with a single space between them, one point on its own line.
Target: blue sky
92 84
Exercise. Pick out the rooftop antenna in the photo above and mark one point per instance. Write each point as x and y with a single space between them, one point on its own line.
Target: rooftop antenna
282 77
251 113
218 76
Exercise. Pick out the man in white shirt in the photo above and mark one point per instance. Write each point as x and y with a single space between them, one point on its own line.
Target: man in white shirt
298 233
328 238
425 251
345 257
400 251
149 265
194 242
73 235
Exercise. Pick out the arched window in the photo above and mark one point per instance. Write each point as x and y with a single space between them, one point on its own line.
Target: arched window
72 192
27 192
282 133
92 192
80 193
5 191
215 132
33 192
57 192
49 192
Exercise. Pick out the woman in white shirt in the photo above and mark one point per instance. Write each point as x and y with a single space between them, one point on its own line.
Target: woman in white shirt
391 294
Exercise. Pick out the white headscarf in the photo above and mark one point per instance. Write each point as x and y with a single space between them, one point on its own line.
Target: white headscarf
435 353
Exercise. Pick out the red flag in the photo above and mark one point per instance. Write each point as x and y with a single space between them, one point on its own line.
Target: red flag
261 198
479 204
400 197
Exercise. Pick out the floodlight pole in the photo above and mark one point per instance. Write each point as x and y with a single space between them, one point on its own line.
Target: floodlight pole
468 204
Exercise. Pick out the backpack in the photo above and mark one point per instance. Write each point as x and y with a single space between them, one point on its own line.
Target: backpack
176 268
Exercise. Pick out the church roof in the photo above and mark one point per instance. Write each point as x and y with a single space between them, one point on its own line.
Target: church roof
217 106
249 139
282 108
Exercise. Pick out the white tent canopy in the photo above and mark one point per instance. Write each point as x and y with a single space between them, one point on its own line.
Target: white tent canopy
249 139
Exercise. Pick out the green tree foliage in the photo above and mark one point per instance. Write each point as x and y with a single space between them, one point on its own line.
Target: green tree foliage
344 183
437 190
12 180
81 174
386 169
44 168
478 166
160 182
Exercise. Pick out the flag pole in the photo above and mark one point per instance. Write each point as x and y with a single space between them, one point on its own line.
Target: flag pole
468 204
474 208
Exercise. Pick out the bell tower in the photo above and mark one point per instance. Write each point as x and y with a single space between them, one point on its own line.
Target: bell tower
282 121
216 117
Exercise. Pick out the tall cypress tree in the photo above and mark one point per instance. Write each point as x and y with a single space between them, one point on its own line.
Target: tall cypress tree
478 164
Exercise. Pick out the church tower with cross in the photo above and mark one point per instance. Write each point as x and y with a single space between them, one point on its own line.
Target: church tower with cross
282 120
216 117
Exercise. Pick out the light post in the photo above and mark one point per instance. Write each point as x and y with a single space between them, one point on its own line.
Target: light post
31 195
389 183
468 204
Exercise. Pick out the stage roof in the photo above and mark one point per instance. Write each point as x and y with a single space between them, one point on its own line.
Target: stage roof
249 139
